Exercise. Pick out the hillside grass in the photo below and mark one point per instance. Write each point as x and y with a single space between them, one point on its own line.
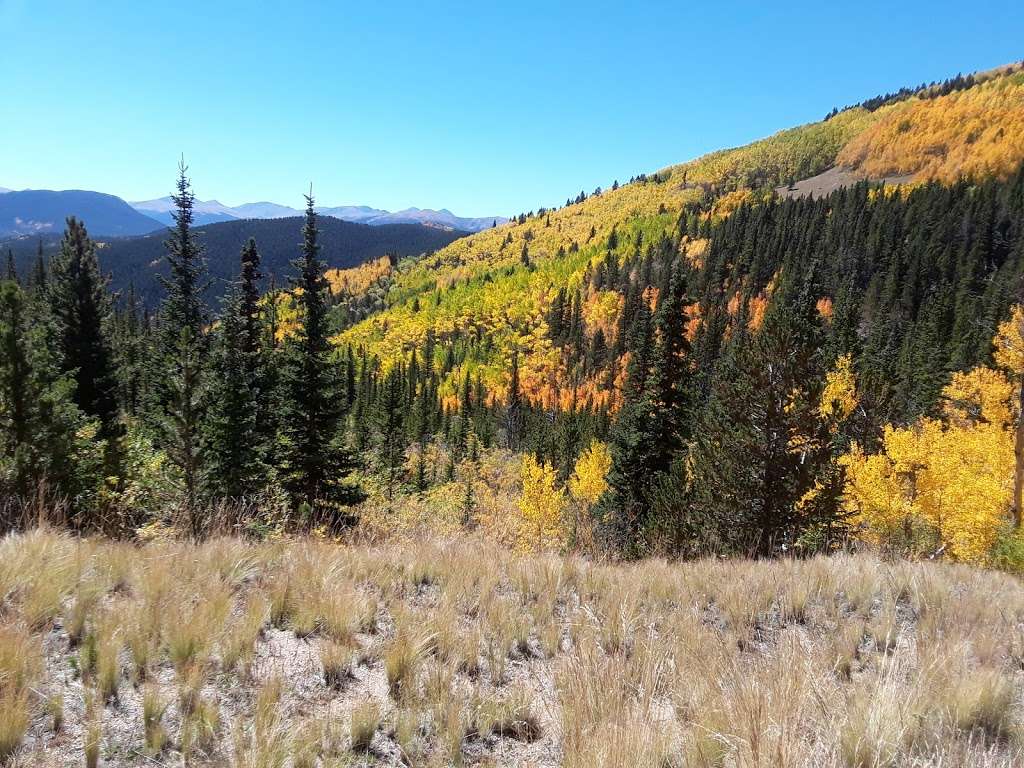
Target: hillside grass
311 653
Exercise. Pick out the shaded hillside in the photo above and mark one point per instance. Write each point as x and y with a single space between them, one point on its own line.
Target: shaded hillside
140 260
42 211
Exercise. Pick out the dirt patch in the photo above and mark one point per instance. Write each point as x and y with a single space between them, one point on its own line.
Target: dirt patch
834 178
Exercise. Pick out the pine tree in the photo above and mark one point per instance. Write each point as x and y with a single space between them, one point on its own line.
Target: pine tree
391 437
40 273
622 509
234 443
130 342
243 420
185 409
514 407
314 457
83 316
16 394
182 307
44 437
761 443
180 379
670 385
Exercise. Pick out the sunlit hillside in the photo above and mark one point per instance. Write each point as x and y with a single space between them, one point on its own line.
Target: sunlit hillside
498 284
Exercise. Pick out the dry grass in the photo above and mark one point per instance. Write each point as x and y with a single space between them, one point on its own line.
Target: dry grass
306 653
366 720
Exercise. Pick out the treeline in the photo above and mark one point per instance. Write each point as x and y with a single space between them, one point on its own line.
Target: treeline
121 418
932 90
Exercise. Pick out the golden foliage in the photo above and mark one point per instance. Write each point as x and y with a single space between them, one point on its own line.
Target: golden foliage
756 308
1009 342
356 280
824 307
589 478
839 397
477 287
972 132
729 202
540 506
694 251
978 395
954 478
601 312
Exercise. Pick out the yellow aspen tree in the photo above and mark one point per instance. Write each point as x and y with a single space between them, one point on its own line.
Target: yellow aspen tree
540 506
839 397
588 482
589 477
952 476
1009 354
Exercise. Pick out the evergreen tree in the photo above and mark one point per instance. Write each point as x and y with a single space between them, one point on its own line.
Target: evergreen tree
180 379
40 274
670 386
44 437
761 443
391 438
82 314
514 407
622 509
235 445
246 367
314 457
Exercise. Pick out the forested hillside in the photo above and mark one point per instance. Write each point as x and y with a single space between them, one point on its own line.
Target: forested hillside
138 263
973 131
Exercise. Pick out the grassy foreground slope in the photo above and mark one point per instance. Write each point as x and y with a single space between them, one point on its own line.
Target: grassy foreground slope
308 653
498 284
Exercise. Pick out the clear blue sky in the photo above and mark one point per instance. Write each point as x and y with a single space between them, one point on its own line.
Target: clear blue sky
480 110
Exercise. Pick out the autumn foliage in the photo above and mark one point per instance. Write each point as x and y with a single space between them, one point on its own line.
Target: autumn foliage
975 132
945 484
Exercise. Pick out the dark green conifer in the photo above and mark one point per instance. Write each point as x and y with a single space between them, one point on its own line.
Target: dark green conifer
83 316
314 458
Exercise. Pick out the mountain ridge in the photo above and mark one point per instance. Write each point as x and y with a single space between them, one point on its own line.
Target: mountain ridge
139 261
211 211
43 211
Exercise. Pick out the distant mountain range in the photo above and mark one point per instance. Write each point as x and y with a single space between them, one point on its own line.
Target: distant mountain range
43 211
211 211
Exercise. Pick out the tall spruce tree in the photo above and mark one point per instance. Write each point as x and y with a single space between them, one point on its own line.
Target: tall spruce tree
313 454
179 388
622 509
391 430
83 316
670 385
237 444
761 443
514 416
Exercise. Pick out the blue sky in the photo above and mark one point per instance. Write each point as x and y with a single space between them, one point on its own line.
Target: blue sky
483 110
